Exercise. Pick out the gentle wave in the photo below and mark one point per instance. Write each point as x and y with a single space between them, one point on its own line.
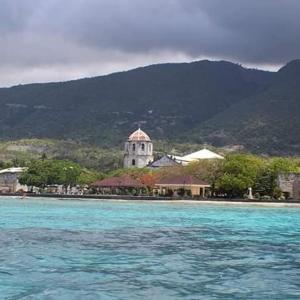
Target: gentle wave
86 250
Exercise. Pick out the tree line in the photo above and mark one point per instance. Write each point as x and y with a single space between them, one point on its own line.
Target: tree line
230 177
43 172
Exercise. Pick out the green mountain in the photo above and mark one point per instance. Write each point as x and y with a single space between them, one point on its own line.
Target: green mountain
167 100
201 102
265 123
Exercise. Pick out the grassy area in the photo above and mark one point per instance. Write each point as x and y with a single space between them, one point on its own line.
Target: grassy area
20 152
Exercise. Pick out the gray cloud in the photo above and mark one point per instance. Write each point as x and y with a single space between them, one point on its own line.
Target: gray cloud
88 37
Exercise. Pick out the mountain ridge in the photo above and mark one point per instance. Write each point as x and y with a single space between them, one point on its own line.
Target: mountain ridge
181 101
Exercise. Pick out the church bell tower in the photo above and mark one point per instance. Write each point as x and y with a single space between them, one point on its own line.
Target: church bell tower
138 150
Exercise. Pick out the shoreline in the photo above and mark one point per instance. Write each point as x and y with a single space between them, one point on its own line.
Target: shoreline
151 199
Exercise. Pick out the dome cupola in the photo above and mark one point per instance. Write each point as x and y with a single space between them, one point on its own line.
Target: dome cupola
139 136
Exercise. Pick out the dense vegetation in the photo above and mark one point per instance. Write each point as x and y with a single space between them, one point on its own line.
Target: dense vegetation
230 177
168 100
22 152
233 176
265 123
43 172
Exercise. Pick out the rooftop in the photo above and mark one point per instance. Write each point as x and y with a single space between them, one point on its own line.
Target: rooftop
202 154
120 181
182 180
164 161
13 170
139 135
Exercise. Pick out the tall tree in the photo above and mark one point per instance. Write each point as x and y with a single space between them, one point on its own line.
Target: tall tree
239 173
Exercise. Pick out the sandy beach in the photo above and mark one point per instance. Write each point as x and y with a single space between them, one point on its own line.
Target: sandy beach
169 201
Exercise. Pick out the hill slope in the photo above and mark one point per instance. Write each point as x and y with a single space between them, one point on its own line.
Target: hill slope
168 100
268 122
204 102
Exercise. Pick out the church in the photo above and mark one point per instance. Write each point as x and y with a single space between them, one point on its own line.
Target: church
138 150
139 154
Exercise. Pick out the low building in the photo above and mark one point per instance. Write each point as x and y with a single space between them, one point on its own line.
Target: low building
9 180
182 186
119 185
55 189
289 184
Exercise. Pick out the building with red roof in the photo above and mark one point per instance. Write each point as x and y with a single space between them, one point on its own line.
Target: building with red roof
119 185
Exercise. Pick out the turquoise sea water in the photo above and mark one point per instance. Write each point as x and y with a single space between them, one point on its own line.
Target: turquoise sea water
54 249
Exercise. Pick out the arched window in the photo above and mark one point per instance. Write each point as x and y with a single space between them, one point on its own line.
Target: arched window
133 162
143 147
133 147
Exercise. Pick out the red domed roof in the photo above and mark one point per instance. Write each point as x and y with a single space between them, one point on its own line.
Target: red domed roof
139 135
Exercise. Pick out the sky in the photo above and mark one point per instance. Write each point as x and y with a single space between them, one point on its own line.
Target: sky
54 40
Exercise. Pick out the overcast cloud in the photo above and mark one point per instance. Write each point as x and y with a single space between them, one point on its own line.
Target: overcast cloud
50 40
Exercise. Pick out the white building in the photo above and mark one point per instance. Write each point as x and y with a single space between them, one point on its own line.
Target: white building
9 180
289 184
138 150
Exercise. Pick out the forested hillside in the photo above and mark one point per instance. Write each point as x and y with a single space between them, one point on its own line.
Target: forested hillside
167 100
264 123
219 103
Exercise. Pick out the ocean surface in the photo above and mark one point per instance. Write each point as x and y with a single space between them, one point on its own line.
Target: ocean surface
62 249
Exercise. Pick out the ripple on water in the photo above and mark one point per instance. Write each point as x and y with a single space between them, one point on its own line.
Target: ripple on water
196 258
